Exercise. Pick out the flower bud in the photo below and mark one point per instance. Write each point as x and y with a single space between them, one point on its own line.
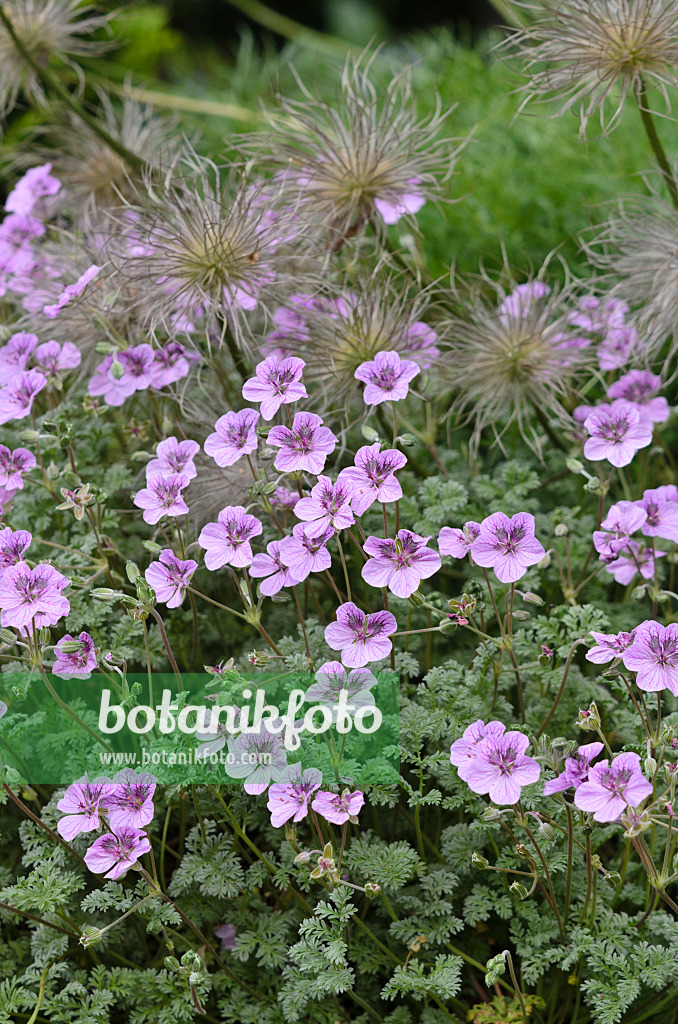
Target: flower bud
545 561
416 599
520 615
152 547
667 734
635 822
370 434
589 719
29 436
530 598
407 440
70 478
492 814
12 777
480 862
448 625
650 766
71 646
638 593
303 858
612 878
132 570
44 636
141 456
262 431
670 772
574 466
7 636
117 370
105 594
90 936
259 659
193 961
372 889
172 964
519 890
561 530
547 831
281 597
269 488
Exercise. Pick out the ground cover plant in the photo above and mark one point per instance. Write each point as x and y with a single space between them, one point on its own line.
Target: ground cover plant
352 379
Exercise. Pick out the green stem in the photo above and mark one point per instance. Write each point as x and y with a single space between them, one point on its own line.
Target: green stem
69 711
290 29
654 140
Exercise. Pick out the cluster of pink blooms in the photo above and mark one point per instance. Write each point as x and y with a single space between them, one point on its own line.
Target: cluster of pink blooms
292 799
654 515
650 650
167 476
492 761
618 342
26 367
27 205
508 546
123 805
139 368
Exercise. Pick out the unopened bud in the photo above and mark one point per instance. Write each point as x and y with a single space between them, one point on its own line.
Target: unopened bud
530 598
574 465
152 547
105 594
612 878
262 431
650 766
520 615
259 659
269 488
7 636
518 889
281 597
667 733
480 862
172 964
44 635
117 370
547 831
561 530
70 478
416 599
638 593
589 719
71 646
545 561
303 858
407 440
140 457
670 772
372 890
29 436
194 977
133 572
90 936
369 433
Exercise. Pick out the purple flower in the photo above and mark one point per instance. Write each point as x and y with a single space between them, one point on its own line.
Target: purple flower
174 457
305 552
508 546
169 577
632 559
616 433
76 664
501 767
277 382
338 808
332 678
53 359
15 354
170 364
304 446
618 347
361 638
599 316
372 477
457 543
14 463
653 656
608 646
421 343
83 803
399 563
32 594
16 398
227 542
576 769
114 390
260 758
13 545
519 302
36 183
273 568
138 365
71 292
611 788
641 388
226 933
387 377
621 521
131 805
113 855
234 437
465 749
283 497
291 799
327 506
162 497
661 515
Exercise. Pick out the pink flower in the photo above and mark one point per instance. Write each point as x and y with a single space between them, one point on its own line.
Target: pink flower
174 457
291 799
608 646
131 805
618 347
277 382
641 388
611 788
139 366
283 497
306 553
13 545
16 398
576 769
169 577
372 477
15 354
29 190
304 446
466 748
387 377
162 497
361 638
71 292
457 543
53 359
170 364
234 437
501 767
13 464
114 390
227 542
226 933
77 664
273 568
421 343
391 210
632 559
260 758
661 515
621 521
616 433
519 302
332 678
83 803
327 506
653 656
509 546
599 316
399 563
32 594
338 808
113 855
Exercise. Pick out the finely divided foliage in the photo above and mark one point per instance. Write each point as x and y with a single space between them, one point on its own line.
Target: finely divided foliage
238 407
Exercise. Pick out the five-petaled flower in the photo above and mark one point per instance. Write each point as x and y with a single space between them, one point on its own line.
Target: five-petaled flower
361 638
328 505
372 477
508 546
303 446
30 596
169 577
227 542
612 787
13 464
291 799
162 497
386 377
272 567
608 646
234 436
616 433
112 855
277 382
83 805
338 808
174 456
399 563
78 664
501 767
653 656
576 769
455 542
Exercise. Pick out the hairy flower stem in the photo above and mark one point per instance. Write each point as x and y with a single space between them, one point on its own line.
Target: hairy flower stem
509 959
589 881
303 627
654 140
54 86
168 649
547 873
561 689
344 567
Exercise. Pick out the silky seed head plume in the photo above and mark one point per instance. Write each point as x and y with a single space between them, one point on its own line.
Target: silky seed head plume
591 55
513 357
366 158
46 29
205 249
638 248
